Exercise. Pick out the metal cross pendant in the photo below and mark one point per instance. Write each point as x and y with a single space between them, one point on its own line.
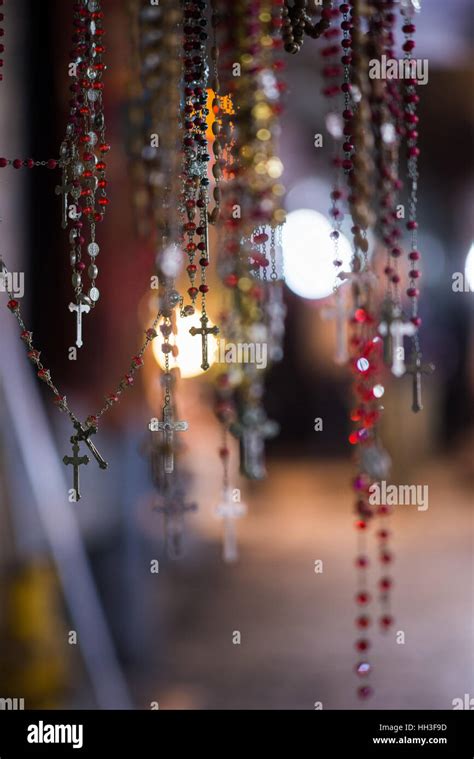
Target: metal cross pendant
340 311
83 435
174 507
168 427
76 462
253 430
80 308
394 329
204 331
229 510
64 189
416 369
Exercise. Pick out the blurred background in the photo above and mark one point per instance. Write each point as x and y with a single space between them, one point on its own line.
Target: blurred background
166 638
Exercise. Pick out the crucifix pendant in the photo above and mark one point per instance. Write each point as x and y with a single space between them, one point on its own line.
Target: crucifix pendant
416 369
173 508
394 330
399 330
75 460
229 511
341 314
64 189
79 308
168 427
204 331
83 434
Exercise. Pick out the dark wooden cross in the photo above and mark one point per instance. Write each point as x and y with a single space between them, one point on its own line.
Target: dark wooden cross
416 369
76 462
204 331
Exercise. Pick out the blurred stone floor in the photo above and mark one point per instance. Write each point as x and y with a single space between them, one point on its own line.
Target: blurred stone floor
296 626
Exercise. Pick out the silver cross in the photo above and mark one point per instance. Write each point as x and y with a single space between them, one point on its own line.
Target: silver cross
229 510
79 308
64 189
340 311
168 427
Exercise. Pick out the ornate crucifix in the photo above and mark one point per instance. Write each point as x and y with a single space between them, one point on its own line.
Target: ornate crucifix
168 427
252 431
76 462
416 369
64 189
204 331
340 311
79 308
229 510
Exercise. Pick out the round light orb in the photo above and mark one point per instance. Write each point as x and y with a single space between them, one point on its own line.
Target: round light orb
309 252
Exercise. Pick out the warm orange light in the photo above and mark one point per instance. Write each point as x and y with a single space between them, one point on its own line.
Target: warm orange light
225 107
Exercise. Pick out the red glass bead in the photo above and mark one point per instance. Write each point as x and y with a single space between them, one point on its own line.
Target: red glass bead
13 305
385 583
414 273
365 691
416 320
363 644
360 524
363 621
203 288
413 292
26 336
17 163
363 598
192 292
204 262
386 557
33 355
386 621
92 421
103 201
191 268
137 361
383 534
44 375
3 163
128 379
362 562
151 333
104 148
101 166
224 453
